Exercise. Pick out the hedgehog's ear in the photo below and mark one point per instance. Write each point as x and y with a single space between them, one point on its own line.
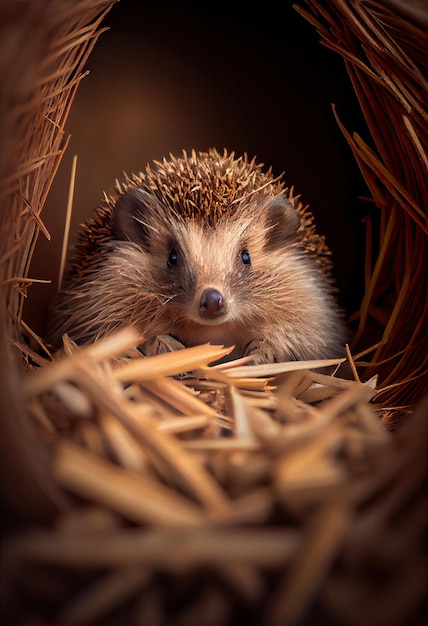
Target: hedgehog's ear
131 216
282 221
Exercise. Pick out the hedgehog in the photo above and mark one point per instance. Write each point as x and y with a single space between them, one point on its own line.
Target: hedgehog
207 247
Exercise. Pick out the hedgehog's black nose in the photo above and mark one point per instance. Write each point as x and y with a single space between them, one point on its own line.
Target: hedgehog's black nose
211 304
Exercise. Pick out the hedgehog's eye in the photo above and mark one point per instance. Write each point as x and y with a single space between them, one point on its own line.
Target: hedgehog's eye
172 257
245 256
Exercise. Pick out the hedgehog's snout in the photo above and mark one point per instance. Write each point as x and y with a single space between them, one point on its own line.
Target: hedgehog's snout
211 304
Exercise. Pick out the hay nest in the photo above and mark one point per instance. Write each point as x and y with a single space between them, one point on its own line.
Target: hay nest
168 491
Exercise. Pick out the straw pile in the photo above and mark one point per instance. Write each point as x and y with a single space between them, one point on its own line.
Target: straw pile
210 495
171 491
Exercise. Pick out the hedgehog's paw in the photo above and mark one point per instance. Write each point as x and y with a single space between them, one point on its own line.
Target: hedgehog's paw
161 344
260 351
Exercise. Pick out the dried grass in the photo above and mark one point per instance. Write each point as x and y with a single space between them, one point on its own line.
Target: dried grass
44 51
385 48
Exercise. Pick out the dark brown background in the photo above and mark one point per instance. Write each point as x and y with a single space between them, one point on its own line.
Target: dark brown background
171 76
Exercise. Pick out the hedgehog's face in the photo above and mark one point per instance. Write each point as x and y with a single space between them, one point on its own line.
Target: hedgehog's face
212 280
